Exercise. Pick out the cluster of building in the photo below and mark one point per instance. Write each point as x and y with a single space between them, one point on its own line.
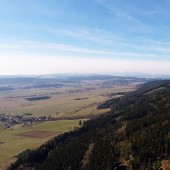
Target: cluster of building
9 120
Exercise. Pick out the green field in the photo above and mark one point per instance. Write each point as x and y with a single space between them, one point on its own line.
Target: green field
12 140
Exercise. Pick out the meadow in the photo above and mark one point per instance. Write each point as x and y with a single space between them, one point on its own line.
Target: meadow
15 139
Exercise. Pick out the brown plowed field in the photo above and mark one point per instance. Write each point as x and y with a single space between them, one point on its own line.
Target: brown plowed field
38 134
1 143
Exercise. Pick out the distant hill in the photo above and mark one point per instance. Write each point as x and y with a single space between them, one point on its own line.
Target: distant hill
39 82
135 135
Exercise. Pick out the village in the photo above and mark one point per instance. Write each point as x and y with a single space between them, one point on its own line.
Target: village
9 120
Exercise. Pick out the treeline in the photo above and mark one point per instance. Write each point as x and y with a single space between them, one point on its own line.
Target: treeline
38 98
134 135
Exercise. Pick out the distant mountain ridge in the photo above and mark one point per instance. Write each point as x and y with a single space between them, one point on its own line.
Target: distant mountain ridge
135 135
115 74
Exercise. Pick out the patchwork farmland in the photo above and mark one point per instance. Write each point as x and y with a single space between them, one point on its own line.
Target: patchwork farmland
34 111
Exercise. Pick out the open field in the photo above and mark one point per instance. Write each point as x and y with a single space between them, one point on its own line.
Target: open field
18 138
67 101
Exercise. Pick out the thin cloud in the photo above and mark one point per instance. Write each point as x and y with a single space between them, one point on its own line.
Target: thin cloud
58 48
129 13
94 35
108 39
122 12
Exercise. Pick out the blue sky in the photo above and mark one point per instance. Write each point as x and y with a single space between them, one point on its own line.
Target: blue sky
102 36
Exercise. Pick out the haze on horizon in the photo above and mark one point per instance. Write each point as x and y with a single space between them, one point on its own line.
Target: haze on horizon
92 36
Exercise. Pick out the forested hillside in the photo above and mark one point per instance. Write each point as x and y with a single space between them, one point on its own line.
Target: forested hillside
135 135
